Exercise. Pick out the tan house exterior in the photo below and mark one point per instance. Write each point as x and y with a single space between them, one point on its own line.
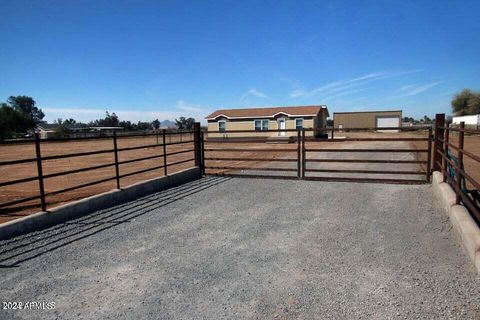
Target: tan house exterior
257 120
367 119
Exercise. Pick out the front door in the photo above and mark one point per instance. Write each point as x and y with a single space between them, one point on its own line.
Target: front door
281 126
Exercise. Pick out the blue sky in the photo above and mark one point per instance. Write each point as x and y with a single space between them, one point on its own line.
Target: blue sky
162 59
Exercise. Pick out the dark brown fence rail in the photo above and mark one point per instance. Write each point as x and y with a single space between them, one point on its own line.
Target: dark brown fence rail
103 136
161 138
449 158
390 170
227 169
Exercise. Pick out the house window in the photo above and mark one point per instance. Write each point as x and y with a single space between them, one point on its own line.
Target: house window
299 124
221 126
261 125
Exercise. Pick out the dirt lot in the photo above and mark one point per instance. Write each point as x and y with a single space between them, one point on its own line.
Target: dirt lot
24 190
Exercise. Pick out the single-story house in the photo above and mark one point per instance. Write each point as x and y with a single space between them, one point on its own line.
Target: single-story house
367 119
262 119
49 130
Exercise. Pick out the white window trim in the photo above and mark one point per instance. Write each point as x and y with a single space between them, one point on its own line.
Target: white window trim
303 122
261 124
219 125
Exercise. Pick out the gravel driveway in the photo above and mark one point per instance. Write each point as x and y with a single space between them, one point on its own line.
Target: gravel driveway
222 248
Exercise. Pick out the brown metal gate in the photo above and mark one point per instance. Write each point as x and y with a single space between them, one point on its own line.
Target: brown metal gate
309 158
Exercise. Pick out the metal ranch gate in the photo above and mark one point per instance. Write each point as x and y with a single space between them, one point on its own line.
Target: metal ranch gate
222 156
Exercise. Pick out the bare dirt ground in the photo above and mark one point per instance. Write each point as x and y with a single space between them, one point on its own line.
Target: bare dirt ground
27 150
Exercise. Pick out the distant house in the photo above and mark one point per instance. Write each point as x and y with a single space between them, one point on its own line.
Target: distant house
472 120
259 120
46 130
50 130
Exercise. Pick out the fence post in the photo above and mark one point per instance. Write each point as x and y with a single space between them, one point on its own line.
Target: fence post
115 151
40 172
446 139
196 143
303 153
164 153
461 138
333 132
437 146
202 146
429 156
299 167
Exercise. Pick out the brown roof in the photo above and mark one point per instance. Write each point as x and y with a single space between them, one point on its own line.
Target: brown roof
267 112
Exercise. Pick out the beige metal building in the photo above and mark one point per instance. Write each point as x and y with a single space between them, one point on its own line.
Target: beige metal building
258 120
367 119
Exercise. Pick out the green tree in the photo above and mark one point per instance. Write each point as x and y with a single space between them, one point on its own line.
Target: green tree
64 126
70 121
12 122
27 107
185 123
110 120
143 125
466 102
156 124
127 125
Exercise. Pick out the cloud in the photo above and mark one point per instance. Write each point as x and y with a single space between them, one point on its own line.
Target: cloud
338 86
89 114
253 93
182 105
345 93
413 90
74 110
181 108
297 93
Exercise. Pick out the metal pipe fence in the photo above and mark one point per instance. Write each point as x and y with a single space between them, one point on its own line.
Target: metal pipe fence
40 160
452 166
221 156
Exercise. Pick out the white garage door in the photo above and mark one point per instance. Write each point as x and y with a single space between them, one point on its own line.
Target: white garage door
387 122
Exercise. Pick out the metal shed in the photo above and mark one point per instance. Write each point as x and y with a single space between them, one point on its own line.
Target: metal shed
367 119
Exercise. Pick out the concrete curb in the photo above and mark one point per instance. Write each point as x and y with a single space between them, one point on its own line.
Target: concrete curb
460 217
41 220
